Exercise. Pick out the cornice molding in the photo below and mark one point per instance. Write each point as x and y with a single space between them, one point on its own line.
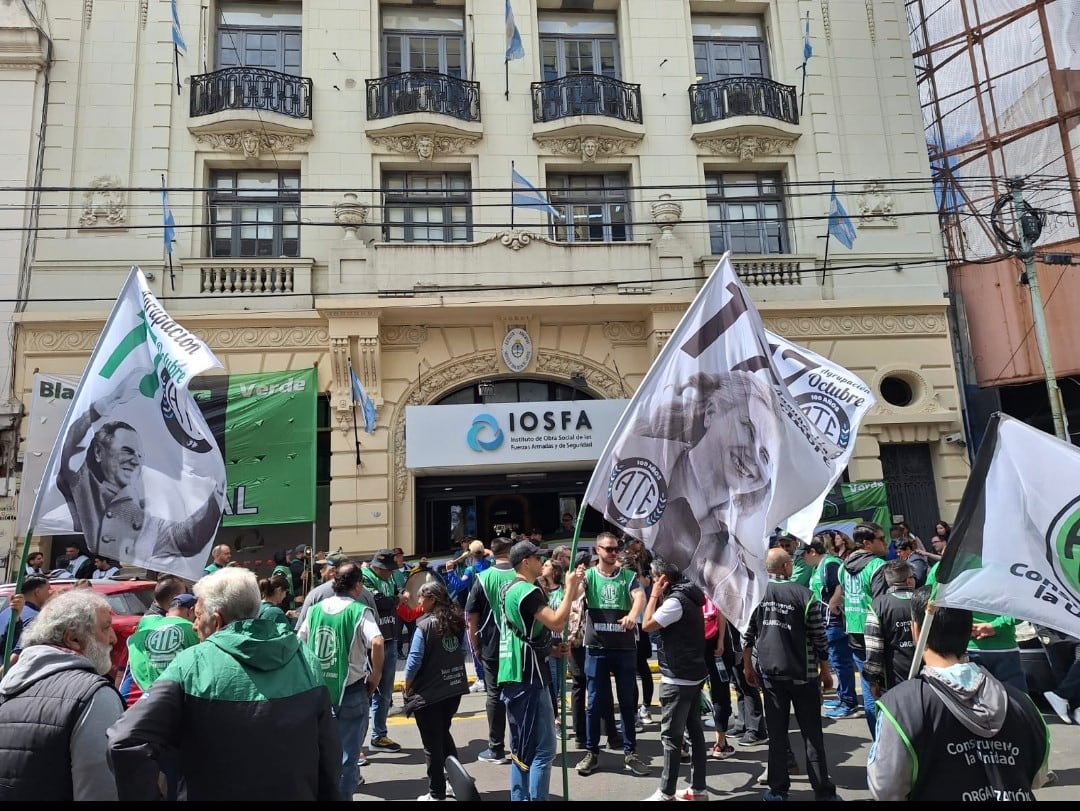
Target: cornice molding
61 341
251 143
426 145
587 147
850 326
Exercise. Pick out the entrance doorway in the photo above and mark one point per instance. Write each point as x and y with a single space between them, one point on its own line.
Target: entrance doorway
451 507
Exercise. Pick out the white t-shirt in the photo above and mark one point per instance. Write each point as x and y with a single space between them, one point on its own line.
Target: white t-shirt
670 612
366 632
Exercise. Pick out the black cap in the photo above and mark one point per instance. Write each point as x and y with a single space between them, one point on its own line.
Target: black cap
523 550
383 559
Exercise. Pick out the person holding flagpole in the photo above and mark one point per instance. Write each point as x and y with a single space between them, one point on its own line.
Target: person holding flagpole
955 733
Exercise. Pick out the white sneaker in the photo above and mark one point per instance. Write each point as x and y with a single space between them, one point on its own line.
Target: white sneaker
659 795
1076 715
1060 705
426 798
644 714
477 686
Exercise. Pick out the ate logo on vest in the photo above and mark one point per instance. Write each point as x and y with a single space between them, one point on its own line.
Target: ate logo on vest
165 641
325 647
1063 545
609 594
450 643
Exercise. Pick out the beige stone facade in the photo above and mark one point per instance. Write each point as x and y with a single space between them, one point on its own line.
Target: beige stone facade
421 318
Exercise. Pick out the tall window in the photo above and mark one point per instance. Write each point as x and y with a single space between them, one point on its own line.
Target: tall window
729 47
746 213
594 208
255 214
427 207
577 43
423 42
260 35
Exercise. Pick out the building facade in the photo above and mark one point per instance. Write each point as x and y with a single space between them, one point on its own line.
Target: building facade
340 176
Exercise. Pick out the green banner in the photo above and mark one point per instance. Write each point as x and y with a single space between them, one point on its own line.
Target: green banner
265 426
851 502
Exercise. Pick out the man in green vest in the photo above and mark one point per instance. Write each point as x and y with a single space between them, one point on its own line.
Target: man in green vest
861 580
524 646
343 634
157 640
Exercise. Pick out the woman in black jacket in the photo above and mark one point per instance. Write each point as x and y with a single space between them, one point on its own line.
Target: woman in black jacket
435 680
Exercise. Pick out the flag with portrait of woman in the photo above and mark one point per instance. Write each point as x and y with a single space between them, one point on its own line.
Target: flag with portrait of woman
713 451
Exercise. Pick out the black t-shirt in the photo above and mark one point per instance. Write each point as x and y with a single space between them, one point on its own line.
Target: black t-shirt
535 670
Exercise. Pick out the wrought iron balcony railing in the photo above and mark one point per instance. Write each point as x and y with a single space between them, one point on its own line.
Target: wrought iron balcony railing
745 95
586 94
251 89
423 92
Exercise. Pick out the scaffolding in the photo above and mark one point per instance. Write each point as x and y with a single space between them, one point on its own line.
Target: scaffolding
999 86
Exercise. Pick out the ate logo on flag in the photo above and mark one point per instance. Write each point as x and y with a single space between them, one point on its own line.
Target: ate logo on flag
1063 545
637 493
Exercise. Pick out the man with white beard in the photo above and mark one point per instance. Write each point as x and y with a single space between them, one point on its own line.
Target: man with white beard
56 703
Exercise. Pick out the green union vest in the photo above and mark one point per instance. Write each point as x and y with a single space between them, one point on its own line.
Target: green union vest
330 638
492 581
857 595
607 600
513 634
817 579
155 643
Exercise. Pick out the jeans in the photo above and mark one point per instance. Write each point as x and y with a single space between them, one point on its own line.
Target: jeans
1065 663
858 654
380 702
578 691
1004 665
681 716
433 724
644 651
780 696
557 668
352 719
532 718
600 666
719 689
842 664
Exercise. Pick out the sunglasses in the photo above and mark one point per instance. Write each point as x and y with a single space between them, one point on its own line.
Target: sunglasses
608 548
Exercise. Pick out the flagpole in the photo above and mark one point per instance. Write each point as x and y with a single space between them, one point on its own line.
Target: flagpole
511 192
355 420
924 634
176 61
506 67
825 264
802 93
168 247
562 686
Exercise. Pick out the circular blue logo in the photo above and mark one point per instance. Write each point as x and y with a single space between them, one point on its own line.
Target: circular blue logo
479 424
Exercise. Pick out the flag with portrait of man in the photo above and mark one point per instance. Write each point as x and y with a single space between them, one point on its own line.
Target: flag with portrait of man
135 469
714 451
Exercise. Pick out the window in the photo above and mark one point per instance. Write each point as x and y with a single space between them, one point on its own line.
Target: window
729 47
257 35
594 208
573 44
423 42
427 207
746 213
255 214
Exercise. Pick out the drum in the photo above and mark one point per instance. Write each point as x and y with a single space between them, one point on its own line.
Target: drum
414 582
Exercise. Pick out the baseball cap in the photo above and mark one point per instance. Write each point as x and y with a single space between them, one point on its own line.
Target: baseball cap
332 559
182 601
299 550
383 559
523 550
476 548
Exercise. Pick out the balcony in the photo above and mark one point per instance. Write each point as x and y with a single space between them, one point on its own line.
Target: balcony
423 92
255 89
744 106
222 284
586 94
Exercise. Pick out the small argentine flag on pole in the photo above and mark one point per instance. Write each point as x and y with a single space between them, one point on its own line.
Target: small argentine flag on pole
169 230
514 48
179 46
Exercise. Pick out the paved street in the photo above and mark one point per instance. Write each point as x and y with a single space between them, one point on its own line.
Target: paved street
401 776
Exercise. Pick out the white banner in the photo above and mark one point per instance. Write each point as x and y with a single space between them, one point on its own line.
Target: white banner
135 469
834 400
49 406
713 451
1015 546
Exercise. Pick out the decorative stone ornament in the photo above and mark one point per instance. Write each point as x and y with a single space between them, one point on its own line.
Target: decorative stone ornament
426 146
350 214
589 147
876 206
747 147
103 203
250 142
517 350
666 213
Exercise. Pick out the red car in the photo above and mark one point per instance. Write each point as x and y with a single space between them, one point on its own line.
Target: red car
128 599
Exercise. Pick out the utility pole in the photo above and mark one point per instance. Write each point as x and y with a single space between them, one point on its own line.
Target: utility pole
1029 227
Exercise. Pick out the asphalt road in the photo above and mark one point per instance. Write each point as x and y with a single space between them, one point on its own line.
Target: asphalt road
401 775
